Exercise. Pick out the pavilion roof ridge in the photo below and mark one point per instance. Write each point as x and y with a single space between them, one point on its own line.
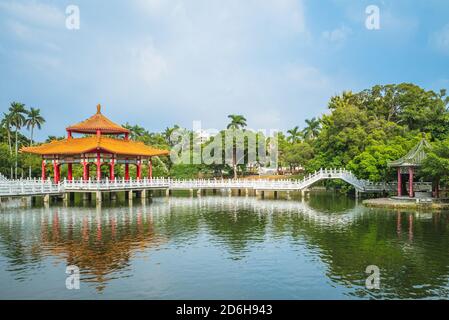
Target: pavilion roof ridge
414 157
98 122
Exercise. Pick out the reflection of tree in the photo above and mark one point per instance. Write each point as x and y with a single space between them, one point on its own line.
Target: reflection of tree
330 202
410 248
228 221
238 230
410 261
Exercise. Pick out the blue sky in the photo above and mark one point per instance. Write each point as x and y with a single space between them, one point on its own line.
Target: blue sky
157 63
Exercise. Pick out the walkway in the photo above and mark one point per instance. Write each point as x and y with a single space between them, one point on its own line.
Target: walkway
10 188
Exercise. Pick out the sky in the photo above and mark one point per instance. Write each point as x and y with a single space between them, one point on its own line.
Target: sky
157 63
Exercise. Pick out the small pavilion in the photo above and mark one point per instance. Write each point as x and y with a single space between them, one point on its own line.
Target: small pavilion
408 164
103 143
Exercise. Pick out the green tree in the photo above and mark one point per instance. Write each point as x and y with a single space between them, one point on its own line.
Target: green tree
294 135
237 122
312 128
168 134
6 124
17 111
298 154
34 119
436 165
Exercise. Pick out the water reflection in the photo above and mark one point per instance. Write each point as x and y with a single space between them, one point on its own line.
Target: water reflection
266 240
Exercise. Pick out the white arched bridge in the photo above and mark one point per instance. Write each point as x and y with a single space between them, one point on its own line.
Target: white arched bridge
36 187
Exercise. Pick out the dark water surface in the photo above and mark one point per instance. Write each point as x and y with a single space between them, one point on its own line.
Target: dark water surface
223 248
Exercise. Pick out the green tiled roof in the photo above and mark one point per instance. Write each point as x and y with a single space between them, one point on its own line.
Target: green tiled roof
414 157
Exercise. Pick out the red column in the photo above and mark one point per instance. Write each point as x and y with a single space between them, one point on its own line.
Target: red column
43 170
98 167
112 170
150 168
69 172
85 171
410 182
139 170
126 171
55 172
399 182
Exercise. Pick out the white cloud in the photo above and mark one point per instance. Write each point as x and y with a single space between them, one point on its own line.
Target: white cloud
147 63
337 36
193 60
35 13
440 40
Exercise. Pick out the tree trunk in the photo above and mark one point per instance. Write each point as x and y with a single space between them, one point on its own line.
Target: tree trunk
31 138
16 151
9 142
437 188
234 162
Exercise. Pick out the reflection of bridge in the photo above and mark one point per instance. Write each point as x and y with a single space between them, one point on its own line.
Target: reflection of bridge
10 188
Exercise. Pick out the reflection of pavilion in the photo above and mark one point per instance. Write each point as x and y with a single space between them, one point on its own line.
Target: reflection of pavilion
98 242
103 242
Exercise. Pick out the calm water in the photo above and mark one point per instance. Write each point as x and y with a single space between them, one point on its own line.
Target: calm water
223 248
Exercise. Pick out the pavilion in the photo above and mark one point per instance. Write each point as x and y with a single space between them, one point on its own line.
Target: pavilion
104 143
408 164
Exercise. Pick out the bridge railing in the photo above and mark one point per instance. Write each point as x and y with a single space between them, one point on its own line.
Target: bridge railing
29 187
107 184
34 186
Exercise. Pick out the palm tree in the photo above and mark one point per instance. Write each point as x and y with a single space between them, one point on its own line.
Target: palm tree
294 135
6 124
312 129
136 131
237 122
34 119
17 111
168 134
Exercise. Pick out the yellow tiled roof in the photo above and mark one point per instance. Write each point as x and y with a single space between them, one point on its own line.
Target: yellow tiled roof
93 144
98 122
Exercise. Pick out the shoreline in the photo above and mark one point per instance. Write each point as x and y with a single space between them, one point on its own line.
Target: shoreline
388 203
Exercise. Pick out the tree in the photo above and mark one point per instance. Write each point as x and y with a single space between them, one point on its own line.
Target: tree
436 164
294 135
17 111
298 154
237 122
136 131
312 129
6 124
34 119
168 134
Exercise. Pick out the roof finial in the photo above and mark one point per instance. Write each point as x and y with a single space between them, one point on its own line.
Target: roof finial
98 108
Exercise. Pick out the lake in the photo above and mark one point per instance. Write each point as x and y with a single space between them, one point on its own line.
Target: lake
220 247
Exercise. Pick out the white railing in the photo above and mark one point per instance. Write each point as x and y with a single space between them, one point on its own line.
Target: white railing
29 187
37 186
